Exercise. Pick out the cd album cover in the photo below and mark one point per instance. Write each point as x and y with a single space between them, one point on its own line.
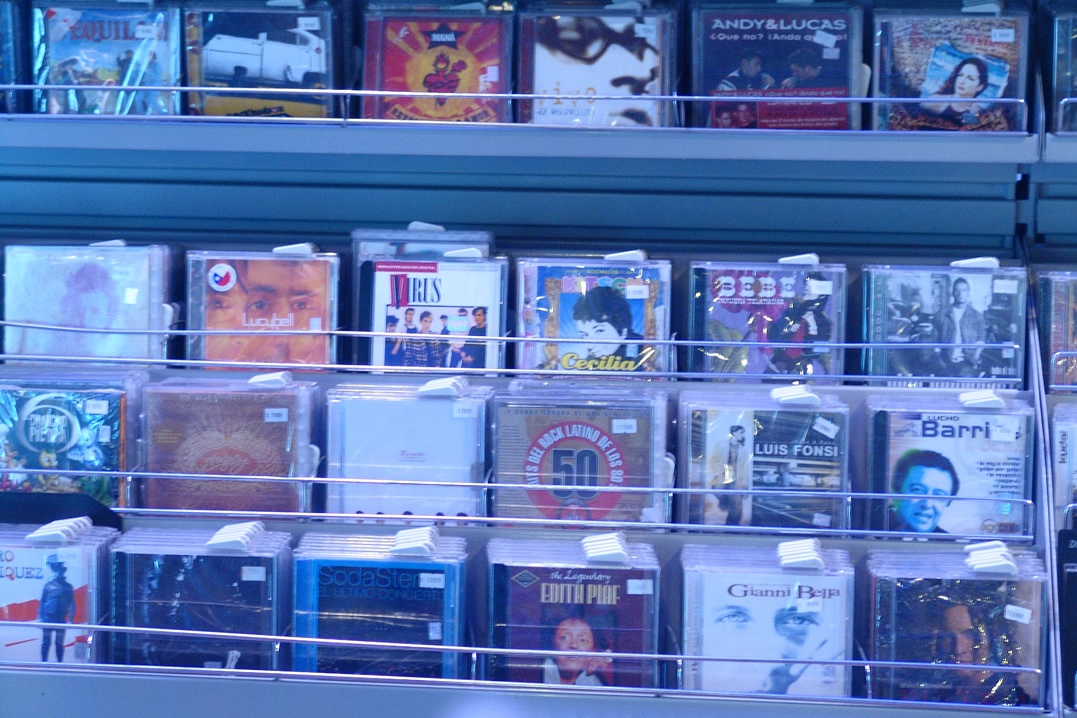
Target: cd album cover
583 55
945 452
66 430
778 52
259 47
222 594
393 602
956 64
569 299
759 615
240 433
761 304
906 306
111 51
1065 84
271 293
597 610
401 436
8 69
1058 325
453 302
89 288
984 623
52 584
432 53
554 451
780 450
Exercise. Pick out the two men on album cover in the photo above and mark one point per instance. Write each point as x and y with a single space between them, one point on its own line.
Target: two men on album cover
576 634
427 349
57 606
929 477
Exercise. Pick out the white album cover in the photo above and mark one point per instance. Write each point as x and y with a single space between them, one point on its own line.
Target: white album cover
438 309
405 437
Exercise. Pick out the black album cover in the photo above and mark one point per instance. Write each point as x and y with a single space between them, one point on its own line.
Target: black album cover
226 594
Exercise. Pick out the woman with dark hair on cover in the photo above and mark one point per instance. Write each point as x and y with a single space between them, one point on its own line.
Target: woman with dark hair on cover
967 81
604 313
574 634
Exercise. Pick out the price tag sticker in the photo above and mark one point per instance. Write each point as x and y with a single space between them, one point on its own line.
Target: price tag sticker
637 291
1003 34
310 24
639 587
1004 286
431 580
96 407
821 37
809 605
822 520
623 426
464 410
647 29
130 295
1005 428
821 287
252 573
433 631
104 433
825 426
1016 613
145 32
276 416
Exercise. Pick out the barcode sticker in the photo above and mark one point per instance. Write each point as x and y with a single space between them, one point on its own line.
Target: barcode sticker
809 605
252 573
464 410
431 580
130 295
1005 286
825 426
824 38
433 631
820 287
1003 34
1016 613
276 416
639 587
145 32
96 406
637 291
311 24
623 426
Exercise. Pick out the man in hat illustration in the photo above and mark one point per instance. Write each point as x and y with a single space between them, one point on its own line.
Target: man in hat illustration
57 606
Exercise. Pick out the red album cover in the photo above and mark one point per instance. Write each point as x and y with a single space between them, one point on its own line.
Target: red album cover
436 54
238 433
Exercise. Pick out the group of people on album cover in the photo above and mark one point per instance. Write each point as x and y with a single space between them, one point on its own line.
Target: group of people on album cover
422 345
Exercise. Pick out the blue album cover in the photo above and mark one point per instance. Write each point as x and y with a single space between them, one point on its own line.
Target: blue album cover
65 430
219 593
371 600
109 51
604 301
8 70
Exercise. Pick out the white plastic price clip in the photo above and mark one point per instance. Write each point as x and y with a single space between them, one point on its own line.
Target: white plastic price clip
110 243
976 263
60 532
981 399
271 380
806 553
633 7
990 557
421 541
632 255
470 7
417 226
237 536
302 249
987 8
810 258
285 3
464 253
795 394
452 386
315 459
606 548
